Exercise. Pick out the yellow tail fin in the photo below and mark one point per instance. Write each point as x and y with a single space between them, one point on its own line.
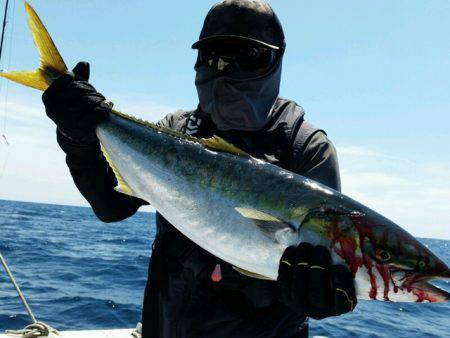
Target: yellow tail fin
51 63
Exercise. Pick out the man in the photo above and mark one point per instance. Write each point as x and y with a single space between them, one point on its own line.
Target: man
191 293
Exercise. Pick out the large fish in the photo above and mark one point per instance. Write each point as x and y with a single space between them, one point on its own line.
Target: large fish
245 210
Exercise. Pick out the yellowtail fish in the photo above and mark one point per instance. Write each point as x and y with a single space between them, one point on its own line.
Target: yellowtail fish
245 210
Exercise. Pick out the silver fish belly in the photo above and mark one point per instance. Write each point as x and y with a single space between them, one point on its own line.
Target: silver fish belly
198 191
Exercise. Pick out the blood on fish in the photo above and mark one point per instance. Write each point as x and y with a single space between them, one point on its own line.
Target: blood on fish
384 238
347 251
394 286
347 247
408 284
423 296
373 281
385 275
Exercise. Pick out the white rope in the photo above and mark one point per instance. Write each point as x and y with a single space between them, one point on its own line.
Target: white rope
36 329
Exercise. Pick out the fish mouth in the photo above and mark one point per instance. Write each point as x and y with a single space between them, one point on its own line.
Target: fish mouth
421 289
427 292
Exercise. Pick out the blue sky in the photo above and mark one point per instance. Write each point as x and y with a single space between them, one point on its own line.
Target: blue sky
374 75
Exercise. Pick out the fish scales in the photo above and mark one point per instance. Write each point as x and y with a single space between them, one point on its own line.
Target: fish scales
198 189
246 211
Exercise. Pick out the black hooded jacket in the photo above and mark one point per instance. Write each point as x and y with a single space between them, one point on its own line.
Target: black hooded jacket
181 300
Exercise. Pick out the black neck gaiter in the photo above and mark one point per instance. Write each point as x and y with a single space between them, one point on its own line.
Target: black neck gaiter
238 101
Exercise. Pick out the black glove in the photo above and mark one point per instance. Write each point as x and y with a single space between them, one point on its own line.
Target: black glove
75 106
311 286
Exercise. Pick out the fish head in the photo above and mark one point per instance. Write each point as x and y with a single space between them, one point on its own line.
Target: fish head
387 262
396 265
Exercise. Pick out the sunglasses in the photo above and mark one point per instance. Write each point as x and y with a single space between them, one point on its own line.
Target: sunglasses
237 57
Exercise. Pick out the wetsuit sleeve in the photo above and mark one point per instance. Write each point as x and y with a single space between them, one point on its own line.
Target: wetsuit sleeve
319 161
96 181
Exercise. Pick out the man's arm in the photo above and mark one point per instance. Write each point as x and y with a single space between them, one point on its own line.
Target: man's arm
76 108
95 180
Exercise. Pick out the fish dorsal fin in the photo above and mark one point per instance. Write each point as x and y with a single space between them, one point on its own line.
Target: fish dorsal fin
152 125
214 143
217 143
122 186
269 225
250 274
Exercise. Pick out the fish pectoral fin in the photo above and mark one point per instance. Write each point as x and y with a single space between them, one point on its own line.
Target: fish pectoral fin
250 274
217 143
122 185
268 224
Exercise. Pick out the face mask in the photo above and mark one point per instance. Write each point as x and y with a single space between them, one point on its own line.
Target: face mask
238 101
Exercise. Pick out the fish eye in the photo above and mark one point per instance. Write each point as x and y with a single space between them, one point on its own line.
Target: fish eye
421 264
382 255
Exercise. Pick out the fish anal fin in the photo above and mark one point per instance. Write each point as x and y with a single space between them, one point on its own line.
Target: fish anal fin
250 274
217 143
122 185
268 224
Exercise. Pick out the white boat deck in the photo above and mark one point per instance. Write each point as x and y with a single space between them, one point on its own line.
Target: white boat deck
88 334
98 334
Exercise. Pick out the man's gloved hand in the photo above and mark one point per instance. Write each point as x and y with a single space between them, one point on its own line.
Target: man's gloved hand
311 286
75 106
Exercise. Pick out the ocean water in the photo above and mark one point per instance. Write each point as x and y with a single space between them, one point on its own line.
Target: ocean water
79 273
